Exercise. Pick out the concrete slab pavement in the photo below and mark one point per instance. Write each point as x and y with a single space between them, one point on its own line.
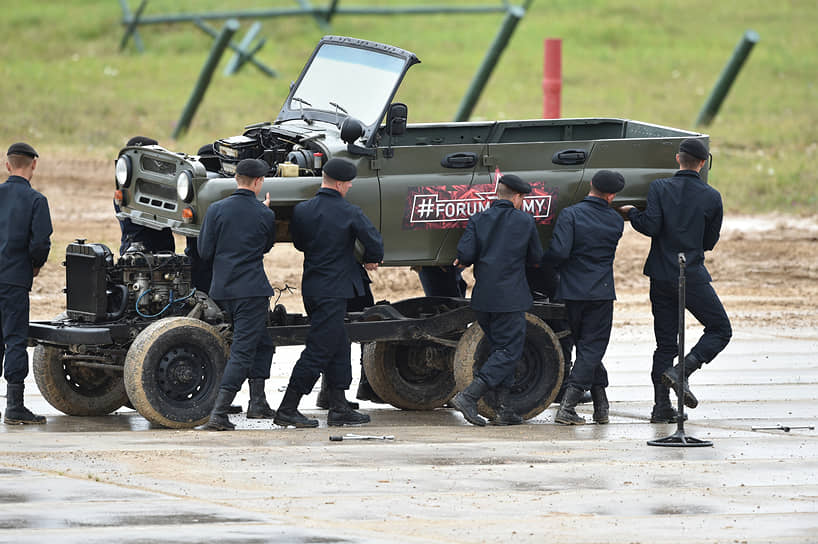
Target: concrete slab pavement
117 479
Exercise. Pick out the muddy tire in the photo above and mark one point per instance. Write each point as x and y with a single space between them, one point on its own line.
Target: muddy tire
75 390
537 378
173 371
412 376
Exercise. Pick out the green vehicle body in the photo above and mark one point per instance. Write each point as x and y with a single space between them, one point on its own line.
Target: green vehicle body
418 183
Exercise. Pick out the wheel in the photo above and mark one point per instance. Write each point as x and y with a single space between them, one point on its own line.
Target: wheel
76 390
410 376
173 370
537 378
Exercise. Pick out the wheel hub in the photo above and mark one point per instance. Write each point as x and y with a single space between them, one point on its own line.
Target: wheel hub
180 375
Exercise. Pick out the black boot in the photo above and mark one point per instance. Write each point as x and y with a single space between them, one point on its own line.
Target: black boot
288 414
673 376
466 401
600 400
566 371
566 413
663 411
234 409
365 391
16 413
323 397
504 413
340 413
218 417
258 407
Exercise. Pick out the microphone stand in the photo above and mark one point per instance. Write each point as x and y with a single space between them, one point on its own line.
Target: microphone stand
679 439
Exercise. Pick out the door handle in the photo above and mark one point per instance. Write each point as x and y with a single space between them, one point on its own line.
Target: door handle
459 160
569 156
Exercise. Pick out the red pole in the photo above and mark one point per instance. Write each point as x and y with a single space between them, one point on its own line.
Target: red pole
552 78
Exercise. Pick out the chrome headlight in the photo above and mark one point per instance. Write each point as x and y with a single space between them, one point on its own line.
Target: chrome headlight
184 186
123 171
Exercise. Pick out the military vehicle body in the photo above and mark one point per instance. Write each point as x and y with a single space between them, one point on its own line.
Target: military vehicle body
418 183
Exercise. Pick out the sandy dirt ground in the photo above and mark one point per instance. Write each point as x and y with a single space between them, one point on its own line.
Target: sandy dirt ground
765 268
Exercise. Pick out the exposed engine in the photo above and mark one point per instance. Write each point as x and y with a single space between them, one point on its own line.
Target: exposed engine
288 156
139 284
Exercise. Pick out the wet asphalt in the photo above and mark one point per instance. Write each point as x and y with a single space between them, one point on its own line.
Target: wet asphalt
117 479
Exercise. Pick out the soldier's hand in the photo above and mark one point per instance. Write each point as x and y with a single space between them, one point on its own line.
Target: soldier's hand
458 265
371 267
267 200
36 271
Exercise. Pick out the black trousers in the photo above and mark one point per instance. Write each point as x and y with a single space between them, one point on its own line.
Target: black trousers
251 352
505 332
590 322
14 307
442 281
703 302
327 348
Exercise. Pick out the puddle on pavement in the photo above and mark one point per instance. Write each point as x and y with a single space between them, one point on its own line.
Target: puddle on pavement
170 519
681 509
457 461
10 498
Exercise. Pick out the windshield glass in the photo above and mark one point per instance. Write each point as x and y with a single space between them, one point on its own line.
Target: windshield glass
358 80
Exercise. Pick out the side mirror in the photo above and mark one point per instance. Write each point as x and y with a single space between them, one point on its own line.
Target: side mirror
396 119
351 130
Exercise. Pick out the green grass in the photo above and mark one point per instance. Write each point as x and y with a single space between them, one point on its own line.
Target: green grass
67 89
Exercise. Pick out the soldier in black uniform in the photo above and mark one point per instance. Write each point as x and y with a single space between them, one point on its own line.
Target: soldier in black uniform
151 239
683 214
235 235
25 230
499 242
201 274
365 391
325 229
582 249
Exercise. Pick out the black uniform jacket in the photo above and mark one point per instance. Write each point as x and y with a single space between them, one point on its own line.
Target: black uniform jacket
25 228
582 248
499 242
325 228
683 214
235 235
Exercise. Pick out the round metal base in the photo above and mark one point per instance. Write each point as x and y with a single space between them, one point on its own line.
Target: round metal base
680 440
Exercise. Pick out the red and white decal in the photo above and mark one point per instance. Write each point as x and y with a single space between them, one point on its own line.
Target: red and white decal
450 206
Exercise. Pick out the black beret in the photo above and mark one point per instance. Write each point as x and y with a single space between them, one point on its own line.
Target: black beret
141 140
608 181
515 184
252 168
22 148
694 148
340 169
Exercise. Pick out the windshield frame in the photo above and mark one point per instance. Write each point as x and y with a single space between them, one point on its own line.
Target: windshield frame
292 110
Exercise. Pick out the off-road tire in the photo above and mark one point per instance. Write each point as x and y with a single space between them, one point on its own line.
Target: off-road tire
538 375
173 370
76 390
399 376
